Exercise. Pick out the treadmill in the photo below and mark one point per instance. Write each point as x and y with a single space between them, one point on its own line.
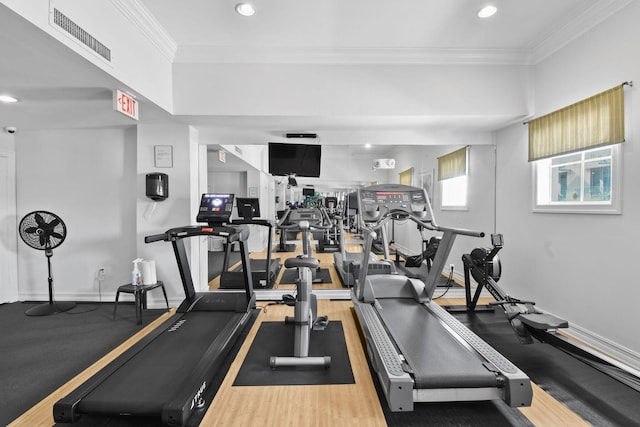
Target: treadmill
165 374
348 264
263 271
288 225
419 351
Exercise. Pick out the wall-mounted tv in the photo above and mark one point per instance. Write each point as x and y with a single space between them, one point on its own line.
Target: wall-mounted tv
294 159
308 192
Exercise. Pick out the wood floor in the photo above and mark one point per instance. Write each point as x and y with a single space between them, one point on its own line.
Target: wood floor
326 405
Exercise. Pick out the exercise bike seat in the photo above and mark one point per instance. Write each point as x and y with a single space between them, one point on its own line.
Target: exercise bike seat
301 262
543 321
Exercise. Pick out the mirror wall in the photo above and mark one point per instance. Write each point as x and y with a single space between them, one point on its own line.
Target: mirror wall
346 168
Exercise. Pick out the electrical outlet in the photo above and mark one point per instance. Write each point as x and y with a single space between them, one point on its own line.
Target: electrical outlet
452 267
101 273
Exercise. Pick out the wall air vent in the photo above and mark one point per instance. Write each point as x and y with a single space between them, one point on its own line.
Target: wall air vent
237 149
61 21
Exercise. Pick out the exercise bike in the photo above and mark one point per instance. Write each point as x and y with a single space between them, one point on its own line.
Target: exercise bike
485 267
305 318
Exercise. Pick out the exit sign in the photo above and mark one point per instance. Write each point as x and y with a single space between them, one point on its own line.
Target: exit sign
126 104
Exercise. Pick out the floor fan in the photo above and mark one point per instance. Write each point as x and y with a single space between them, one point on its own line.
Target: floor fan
45 231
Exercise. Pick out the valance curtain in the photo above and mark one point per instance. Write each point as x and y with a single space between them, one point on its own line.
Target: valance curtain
592 122
453 164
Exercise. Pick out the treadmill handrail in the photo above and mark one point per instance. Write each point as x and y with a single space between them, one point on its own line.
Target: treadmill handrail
431 224
199 230
176 236
296 226
280 223
449 235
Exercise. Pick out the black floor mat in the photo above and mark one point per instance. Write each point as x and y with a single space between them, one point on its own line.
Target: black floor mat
276 339
290 276
596 397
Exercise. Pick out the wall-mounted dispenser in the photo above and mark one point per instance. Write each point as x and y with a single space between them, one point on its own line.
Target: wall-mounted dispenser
157 186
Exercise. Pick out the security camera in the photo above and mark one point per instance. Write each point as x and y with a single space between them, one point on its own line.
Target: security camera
11 129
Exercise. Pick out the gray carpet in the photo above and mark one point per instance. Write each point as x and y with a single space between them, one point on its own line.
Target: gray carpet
39 354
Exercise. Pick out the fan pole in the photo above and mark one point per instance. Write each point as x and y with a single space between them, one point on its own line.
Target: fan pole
51 307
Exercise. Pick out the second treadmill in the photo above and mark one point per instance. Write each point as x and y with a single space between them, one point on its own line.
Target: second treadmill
165 374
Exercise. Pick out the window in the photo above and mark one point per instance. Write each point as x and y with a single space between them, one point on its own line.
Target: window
584 182
576 155
452 174
454 193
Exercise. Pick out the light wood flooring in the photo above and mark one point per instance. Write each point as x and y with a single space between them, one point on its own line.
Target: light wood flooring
325 405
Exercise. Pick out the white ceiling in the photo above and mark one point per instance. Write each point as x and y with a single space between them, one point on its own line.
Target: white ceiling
65 92
380 24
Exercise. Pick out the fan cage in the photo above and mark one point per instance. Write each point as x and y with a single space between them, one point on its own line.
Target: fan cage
42 230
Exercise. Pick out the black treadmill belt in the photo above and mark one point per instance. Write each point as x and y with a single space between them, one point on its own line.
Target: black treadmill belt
150 378
438 359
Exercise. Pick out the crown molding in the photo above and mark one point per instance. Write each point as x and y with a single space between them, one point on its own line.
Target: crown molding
148 25
558 38
332 55
540 49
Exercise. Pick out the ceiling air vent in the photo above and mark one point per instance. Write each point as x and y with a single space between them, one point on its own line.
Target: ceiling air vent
78 33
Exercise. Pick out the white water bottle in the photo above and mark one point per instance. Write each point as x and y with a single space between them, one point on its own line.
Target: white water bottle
136 277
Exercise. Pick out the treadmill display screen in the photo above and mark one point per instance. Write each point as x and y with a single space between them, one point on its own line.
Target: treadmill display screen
386 197
408 201
215 207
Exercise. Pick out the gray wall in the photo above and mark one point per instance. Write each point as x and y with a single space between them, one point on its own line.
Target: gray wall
579 266
95 181
88 179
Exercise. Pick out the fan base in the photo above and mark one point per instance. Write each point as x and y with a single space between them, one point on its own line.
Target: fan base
48 308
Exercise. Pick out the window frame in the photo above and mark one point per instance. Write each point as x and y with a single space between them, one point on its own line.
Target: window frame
614 207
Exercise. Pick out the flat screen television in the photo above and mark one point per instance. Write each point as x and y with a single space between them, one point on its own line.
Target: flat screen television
294 159
248 207
215 208
308 192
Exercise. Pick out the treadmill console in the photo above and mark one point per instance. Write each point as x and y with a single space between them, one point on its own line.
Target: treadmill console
215 208
376 200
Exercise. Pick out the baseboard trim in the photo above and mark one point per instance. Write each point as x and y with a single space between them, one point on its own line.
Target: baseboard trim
606 349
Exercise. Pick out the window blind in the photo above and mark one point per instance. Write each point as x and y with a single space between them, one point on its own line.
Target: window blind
592 122
453 164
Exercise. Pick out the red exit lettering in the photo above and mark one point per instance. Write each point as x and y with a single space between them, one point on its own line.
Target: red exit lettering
126 104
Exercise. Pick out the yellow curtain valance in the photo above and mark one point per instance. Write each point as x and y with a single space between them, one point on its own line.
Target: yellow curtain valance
406 177
592 122
453 164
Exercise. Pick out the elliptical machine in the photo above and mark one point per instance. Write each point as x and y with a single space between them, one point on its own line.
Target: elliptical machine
485 267
305 316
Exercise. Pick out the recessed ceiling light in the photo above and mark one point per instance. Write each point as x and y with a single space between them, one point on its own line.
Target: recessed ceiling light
367 145
7 98
245 9
487 11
